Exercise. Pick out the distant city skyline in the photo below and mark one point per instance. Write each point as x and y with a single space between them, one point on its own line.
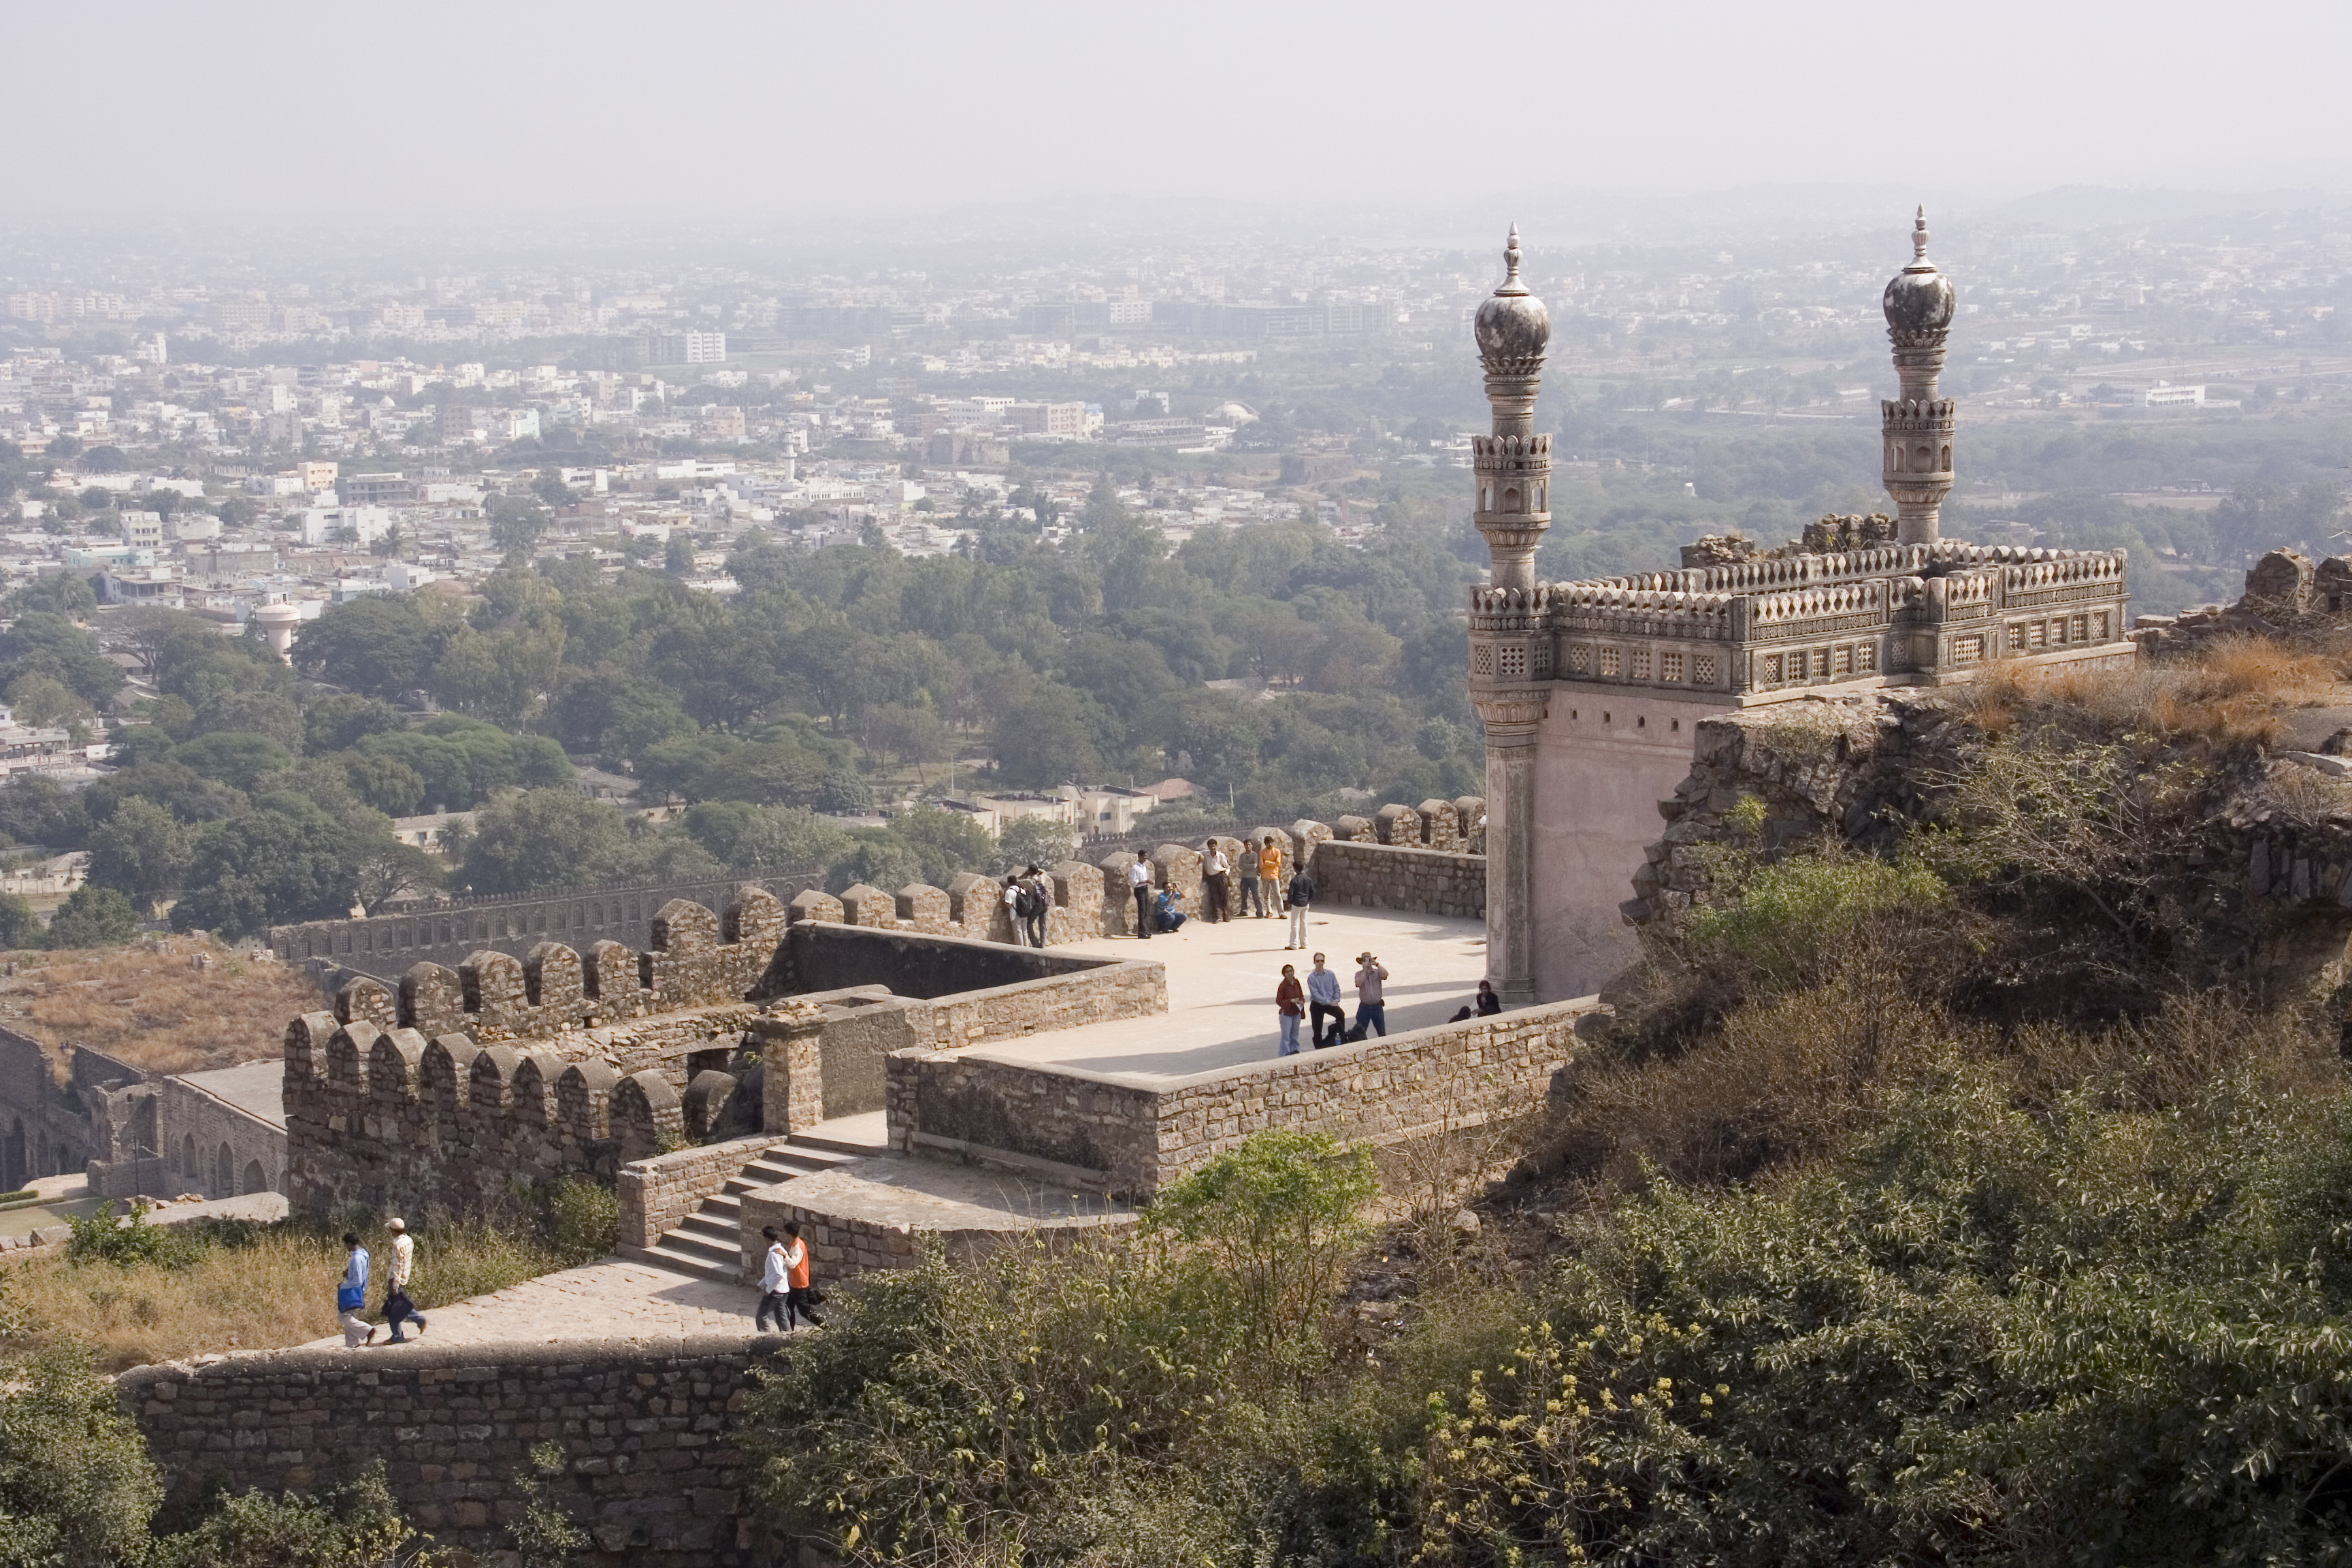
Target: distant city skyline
596 116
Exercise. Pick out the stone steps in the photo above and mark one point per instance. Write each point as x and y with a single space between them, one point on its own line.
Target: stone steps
707 1243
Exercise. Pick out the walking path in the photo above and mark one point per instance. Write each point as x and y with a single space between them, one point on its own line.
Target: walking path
608 1299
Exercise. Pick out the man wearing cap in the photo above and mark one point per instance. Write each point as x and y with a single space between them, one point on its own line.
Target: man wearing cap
1371 1015
396 1304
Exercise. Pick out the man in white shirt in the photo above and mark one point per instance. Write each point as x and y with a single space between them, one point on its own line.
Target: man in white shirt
772 1285
1013 911
396 1304
1139 882
1215 871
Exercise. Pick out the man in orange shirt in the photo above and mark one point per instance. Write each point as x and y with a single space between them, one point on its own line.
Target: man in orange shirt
798 1298
1269 878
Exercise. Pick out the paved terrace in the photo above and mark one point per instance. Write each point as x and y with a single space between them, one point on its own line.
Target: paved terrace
1221 981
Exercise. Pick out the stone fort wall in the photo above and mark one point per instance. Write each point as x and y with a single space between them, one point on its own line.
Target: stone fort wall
650 1471
384 945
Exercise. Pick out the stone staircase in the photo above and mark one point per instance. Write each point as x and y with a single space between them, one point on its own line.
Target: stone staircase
707 1243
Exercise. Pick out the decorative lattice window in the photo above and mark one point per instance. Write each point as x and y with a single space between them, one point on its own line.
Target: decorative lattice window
1670 667
2016 636
1772 670
1703 669
1482 660
2040 634
1514 661
1865 657
1845 661
1579 658
1969 649
2100 625
1541 656
1821 663
1640 664
2082 629
1610 661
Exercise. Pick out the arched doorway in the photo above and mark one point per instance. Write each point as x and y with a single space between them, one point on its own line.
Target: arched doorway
13 1169
256 1180
224 1174
190 1172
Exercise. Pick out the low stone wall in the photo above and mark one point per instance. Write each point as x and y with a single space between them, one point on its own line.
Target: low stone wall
832 1064
1398 877
820 956
1139 1135
656 1195
651 1469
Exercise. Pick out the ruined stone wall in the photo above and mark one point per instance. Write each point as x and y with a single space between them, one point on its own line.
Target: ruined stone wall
43 1133
651 1470
1400 876
1139 1135
385 945
449 1089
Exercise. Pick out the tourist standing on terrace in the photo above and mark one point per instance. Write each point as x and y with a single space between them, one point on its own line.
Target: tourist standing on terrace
1036 898
1323 997
1139 882
1289 1002
1301 894
1269 872
1371 1013
1215 874
351 1295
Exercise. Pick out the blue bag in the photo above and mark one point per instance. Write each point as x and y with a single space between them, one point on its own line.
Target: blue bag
349 1298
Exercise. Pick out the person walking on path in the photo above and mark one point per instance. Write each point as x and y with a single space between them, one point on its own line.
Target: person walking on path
1245 873
1216 879
351 1296
1488 1002
1036 898
1323 997
1371 1013
1139 882
774 1284
1289 1003
1269 872
396 1304
799 1298
1301 894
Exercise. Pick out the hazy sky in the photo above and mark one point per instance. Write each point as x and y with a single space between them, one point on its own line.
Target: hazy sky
600 110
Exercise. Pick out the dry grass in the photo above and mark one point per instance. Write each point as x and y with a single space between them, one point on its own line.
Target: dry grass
1793 1077
155 1009
259 1289
2235 690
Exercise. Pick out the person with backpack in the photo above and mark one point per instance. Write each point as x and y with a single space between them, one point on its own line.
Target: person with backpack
1013 911
1031 907
1301 894
773 1283
1289 1002
350 1295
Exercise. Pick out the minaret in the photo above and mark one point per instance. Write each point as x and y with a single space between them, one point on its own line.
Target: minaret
1509 681
1513 464
1917 425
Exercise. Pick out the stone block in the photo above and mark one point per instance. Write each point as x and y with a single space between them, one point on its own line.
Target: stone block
865 905
363 1000
1397 824
1305 834
1440 825
814 904
431 999
1355 830
1119 903
755 916
683 929
925 908
976 907
493 987
551 978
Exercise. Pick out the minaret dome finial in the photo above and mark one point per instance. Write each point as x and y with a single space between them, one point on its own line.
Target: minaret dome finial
1920 236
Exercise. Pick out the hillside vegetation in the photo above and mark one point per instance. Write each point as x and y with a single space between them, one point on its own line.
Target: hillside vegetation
153 1007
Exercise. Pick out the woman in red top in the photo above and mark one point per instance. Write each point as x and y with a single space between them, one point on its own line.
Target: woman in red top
1290 1005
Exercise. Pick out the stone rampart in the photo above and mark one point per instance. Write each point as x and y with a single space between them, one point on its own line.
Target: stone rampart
651 1470
1136 1134
512 923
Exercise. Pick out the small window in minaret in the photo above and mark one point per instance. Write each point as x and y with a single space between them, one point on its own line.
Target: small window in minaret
1895 457
1513 661
1511 498
1670 667
1948 457
1640 664
1608 661
1703 669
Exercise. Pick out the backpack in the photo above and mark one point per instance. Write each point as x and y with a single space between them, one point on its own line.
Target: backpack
1029 903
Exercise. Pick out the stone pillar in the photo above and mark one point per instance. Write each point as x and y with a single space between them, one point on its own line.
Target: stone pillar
1511 720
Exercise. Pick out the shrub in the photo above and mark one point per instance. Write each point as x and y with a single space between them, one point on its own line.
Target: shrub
356 1524
579 1220
76 1488
93 916
125 1242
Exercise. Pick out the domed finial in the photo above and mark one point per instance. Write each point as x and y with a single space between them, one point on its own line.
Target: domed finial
1511 284
1919 238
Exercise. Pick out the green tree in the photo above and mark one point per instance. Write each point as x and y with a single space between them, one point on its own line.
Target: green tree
19 926
1032 841
282 859
55 593
1049 737
378 645
517 521
92 916
77 1489
542 838
240 761
743 837
141 852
